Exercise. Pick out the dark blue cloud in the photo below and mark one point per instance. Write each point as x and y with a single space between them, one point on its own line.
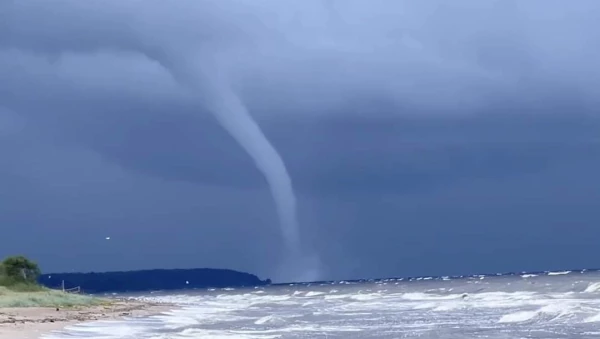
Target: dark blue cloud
421 138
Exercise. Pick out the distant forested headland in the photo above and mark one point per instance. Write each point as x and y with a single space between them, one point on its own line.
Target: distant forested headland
151 280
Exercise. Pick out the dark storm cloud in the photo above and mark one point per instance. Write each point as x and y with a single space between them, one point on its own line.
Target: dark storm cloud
396 120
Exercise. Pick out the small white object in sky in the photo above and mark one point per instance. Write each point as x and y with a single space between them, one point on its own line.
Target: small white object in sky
107 238
187 282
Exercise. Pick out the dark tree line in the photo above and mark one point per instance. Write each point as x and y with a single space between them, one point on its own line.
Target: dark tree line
148 280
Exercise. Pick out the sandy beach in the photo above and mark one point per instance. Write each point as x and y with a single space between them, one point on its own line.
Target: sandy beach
32 322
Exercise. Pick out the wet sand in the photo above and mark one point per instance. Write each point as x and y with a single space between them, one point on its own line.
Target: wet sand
33 322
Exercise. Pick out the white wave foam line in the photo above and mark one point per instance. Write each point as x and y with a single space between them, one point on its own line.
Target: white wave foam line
199 316
517 317
173 299
302 328
490 300
593 287
102 329
209 309
529 276
336 297
592 319
451 306
556 311
558 273
435 302
372 307
275 320
314 294
269 319
424 296
355 296
426 305
365 297
269 299
222 334
392 302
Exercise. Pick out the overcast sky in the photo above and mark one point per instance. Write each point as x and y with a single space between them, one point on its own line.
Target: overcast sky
421 137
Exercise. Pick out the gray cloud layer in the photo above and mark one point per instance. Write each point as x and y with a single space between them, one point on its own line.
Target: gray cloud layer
422 137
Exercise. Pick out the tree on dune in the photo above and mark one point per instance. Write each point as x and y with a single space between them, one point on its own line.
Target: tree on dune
19 269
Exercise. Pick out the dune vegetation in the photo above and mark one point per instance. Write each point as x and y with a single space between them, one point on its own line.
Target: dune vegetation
19 288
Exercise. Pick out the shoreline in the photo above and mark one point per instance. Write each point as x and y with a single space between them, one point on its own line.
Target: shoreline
33 322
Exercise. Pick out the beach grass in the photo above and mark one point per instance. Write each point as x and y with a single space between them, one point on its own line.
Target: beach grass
19 288
37 296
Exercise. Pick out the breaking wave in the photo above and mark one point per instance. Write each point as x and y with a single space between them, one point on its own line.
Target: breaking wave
553 304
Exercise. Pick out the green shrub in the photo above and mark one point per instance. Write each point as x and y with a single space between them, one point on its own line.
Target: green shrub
18 269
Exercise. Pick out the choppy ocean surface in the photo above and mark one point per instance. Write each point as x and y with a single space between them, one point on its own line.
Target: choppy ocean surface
544 305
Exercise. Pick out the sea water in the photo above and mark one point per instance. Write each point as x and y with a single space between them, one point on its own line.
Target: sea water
543 305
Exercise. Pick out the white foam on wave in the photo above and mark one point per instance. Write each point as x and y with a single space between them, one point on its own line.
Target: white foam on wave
219 334
102 329
559 273
592 319
423 306
551 312
449 307
270 319
488 300
528 276
304 327
592 287
336 297
425 296
434 302
517 317
203 310
195 316
365 297
314 294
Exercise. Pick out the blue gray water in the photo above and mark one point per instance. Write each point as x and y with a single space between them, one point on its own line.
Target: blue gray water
546 305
